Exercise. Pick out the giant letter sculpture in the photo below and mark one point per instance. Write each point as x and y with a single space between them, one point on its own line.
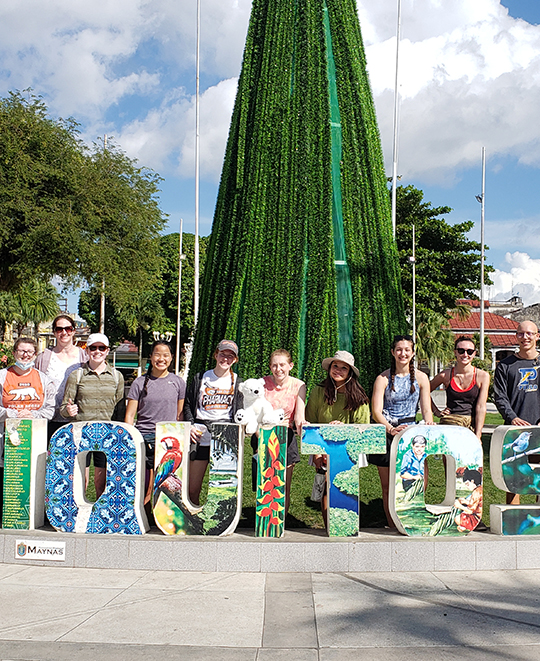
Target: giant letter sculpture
24 473
271 476
461 510
173 512
343 444
513 469
120 508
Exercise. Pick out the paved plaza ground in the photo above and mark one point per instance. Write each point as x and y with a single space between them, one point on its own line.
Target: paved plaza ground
61 613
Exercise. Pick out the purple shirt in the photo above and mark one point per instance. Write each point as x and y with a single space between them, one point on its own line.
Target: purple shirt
160 404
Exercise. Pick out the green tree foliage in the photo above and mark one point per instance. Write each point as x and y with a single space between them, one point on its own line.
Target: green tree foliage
434 340
447 262
40 166
168 250
36 302
154 310
8 310
81 214
129 320
121 225
301 254
33 302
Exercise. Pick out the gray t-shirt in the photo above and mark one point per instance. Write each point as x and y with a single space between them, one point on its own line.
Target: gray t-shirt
160 404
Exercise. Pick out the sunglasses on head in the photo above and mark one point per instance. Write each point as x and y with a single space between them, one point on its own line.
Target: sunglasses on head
98 347
469 352
67 329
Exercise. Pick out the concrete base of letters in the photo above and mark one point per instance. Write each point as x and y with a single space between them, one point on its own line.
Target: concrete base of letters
298 551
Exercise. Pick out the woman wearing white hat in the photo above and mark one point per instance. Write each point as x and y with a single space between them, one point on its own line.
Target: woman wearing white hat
95 392
339 399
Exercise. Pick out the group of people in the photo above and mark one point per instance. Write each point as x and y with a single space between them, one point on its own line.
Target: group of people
65 384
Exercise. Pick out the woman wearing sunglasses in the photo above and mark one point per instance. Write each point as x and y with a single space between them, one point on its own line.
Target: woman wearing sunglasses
466 389
58 363
95 392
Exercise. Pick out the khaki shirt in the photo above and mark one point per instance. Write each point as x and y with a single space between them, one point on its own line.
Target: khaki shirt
96 395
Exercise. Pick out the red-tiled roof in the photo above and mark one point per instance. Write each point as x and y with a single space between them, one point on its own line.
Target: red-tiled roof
500 341
473 303
492 322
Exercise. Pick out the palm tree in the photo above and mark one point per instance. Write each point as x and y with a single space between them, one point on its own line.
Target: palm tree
37 302
139 314
434 340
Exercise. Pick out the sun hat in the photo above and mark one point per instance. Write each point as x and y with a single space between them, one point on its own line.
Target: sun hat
228 345
97 337
344 357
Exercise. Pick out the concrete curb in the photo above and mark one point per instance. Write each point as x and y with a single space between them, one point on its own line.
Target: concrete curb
297 551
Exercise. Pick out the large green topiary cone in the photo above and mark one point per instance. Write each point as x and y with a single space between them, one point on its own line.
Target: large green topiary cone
301 254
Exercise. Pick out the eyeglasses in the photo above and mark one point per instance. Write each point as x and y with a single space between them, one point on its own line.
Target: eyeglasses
526 334
227 355
63 329
469 352
97 347
24 352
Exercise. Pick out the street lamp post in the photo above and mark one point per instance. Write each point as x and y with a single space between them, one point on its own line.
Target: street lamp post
197 171
482 199
396 123
412 259
180 258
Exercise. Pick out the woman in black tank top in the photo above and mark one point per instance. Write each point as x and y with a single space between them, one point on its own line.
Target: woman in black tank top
466 389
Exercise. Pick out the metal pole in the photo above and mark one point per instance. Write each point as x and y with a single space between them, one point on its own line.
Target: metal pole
102 308
396 122
482 254
414 283
102 296
197 171
178 345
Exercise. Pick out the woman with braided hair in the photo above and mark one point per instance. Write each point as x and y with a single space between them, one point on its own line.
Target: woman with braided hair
158 396
394 403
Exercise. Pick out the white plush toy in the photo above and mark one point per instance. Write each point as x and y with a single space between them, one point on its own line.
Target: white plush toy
257 409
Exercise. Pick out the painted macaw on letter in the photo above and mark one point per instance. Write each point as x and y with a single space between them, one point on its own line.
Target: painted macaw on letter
169 463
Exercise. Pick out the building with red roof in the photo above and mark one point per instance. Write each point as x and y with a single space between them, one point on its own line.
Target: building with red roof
500 330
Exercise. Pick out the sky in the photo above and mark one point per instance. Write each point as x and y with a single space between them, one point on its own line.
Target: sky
469 78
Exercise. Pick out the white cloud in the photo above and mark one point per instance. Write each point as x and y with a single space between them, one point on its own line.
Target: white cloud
511 235
223 33
522 279
68 49
165 138
470 74
470 77
85 57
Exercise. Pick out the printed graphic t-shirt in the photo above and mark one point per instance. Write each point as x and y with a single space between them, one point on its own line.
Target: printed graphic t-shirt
216 397
23 392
